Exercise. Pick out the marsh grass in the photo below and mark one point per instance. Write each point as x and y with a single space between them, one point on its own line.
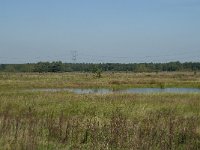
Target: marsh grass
17 81
62 120
120 121
161 129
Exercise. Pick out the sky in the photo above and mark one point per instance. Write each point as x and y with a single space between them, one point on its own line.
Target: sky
99 31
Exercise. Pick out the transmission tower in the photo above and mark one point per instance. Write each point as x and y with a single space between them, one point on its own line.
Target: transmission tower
74 56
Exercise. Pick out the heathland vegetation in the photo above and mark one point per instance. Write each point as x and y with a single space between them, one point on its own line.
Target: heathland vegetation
63 120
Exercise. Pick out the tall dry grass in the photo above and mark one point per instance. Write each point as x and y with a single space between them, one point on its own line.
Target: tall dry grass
158 130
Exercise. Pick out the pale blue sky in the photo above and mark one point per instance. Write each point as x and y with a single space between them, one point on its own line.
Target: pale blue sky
99 30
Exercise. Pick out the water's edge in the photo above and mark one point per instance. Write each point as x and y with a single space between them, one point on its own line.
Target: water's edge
128 90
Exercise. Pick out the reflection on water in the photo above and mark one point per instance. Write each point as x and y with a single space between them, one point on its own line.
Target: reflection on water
129 90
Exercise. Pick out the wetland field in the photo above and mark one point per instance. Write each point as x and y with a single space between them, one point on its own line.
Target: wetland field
34 115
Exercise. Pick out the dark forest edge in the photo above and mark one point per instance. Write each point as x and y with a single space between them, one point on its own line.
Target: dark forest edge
58 66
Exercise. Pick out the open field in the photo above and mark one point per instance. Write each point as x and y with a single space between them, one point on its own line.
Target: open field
63 120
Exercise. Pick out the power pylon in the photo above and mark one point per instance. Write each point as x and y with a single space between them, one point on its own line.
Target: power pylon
74 56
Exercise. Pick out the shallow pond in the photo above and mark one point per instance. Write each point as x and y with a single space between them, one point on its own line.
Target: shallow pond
128 90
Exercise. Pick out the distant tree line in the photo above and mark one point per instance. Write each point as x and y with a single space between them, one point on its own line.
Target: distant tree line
58 66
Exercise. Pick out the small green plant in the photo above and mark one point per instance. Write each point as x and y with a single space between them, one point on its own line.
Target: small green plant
162 85
98 73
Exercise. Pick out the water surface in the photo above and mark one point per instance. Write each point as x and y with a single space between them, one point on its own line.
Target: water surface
128 90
